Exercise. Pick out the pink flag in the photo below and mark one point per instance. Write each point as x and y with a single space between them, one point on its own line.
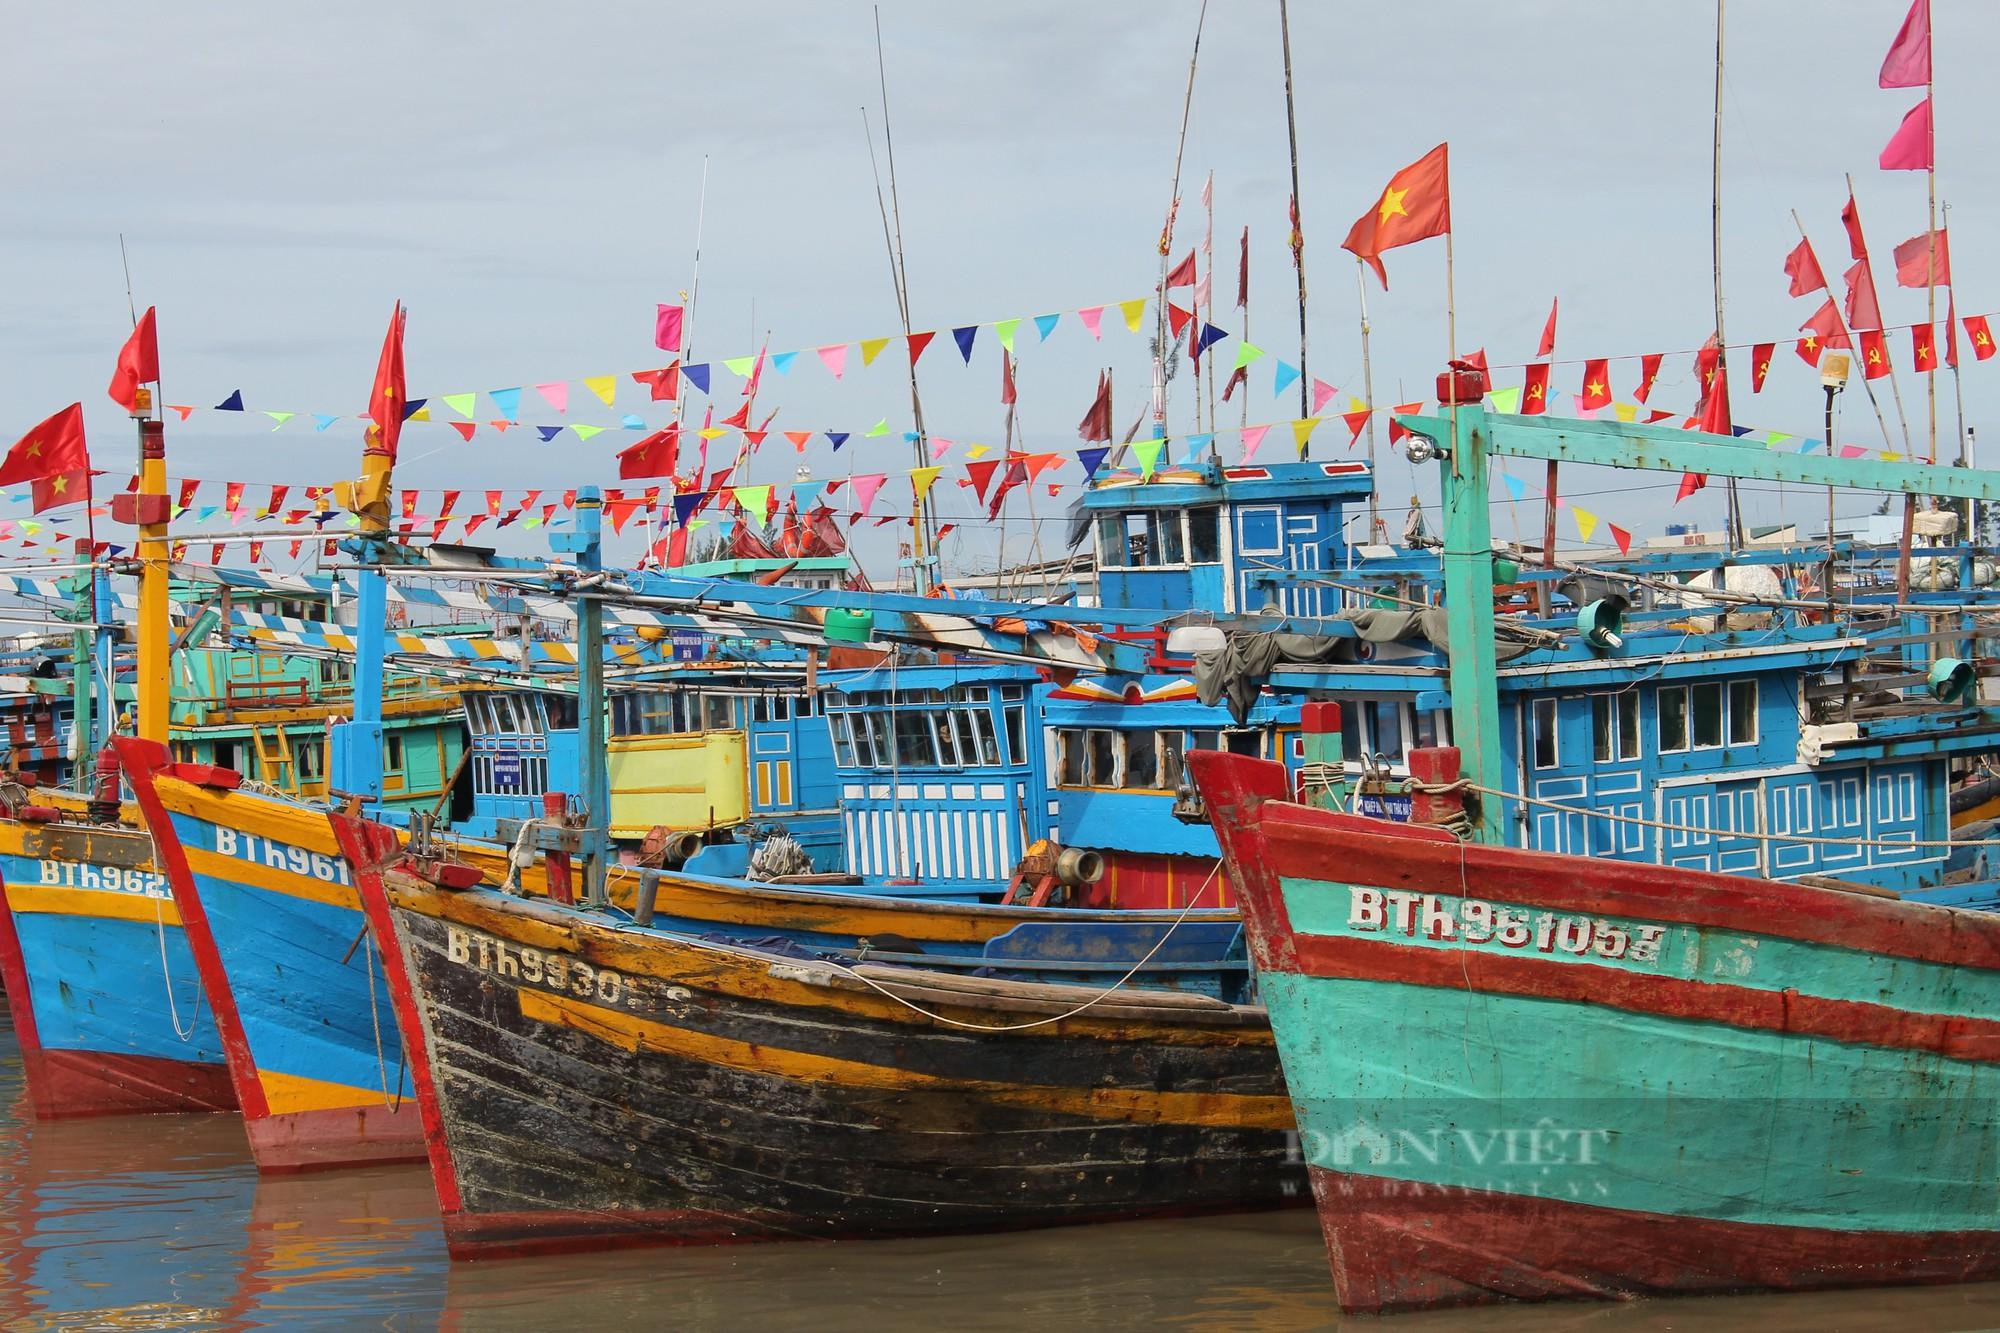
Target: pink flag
1091 318
835 358
1252 437
1913 261
1321 392
939 448
667 327
1909 149
557 394
865 487
1908 64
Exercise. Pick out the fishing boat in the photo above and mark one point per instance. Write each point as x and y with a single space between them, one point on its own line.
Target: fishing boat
1534 1075
587 1083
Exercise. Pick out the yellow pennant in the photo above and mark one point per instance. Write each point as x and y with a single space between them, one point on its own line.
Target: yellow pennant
1626 411
1586 522
604 386
921 479
978 451
1302 430
1133 312
872 348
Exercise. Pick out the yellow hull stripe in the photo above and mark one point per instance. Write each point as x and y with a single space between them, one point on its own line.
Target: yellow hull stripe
634 1034
286 1093
106 904
237 870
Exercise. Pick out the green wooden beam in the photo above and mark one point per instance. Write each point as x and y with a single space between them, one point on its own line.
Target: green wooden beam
1631 445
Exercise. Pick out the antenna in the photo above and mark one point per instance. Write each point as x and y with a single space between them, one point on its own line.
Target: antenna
124 259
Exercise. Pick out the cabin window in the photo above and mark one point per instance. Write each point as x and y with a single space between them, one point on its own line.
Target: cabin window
1142 759
1544 726
1673 703
1013 692
717 713
1069 759
760 711
1246 742
1383 730
1614 725
1742 712
1204 535
843 740
947 741
312 761
913 740
477 720
392 753
561 710
1100 758
781 708
1172 767
1204 740
1705 710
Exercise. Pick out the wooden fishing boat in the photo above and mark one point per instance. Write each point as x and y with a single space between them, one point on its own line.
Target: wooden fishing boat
1526 1075
587 1083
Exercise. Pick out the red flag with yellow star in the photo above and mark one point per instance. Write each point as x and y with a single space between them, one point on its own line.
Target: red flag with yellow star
1415 206
387 400
1922 349
1596 384
53 458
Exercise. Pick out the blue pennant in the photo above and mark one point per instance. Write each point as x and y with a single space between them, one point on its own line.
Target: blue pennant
508 401
782 362
1092 459
233 403
1197 443
697 375
634 423
549 432
963 337
323 421
839 437
1046 324
1211 335
413 406
684 507
1284 379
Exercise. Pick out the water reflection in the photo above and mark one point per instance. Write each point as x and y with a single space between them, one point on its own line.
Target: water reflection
161 1223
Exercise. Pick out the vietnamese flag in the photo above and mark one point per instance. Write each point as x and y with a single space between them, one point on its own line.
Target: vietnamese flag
653 456
1415 206
1649 371
138 363
1760 365
1922 348
1596 384
1874 354
1982 337
53 458
1824 330
1535 392
387 398
1715 403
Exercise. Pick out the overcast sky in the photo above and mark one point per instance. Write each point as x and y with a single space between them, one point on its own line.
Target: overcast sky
526 179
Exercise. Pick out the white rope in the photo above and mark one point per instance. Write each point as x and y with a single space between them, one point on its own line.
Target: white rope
1091 1003
167 975
1731 833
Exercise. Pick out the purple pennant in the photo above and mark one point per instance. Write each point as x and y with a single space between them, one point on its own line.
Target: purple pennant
696 375
963 337
839 437
549 432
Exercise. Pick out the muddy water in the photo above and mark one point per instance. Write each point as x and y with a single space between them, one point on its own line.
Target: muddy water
156 1223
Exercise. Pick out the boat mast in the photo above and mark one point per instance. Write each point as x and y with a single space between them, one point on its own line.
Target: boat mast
1734 523
1298 237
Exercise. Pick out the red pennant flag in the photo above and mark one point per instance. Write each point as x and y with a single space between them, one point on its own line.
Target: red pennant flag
665 383
1535 392
1649 374
53 459
1760 364
450 499
1802 267
1548 346
138 363
1981 336
1850 218
1622 537
918 342
1415 206
1864 310
464 429
1715 404
471 524
295 549
1596 384
982 474
1096 423
1826 330
1655 417
1690 483
1183 275
1913 261
740 418
1177 319
388 396
1355 421
1922 350
1874 354
1006 378
1910 148
1908 64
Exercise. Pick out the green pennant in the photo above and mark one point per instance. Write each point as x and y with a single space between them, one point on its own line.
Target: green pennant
280 417
1508 400
462 403
1005 329
1778 437
740 366
585 432
1148 454
879 428
1245 354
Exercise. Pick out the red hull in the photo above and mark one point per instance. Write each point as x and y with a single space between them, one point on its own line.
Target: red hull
68 1084
1397 1246
328 1140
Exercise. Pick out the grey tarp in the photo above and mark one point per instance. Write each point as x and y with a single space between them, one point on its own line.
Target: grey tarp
1237 671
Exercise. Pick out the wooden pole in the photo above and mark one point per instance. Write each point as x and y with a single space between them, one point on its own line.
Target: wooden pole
1368 391
1734 522
1298 239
